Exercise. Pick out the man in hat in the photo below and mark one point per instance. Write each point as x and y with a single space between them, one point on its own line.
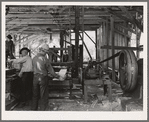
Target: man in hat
26 74
10 48
41 66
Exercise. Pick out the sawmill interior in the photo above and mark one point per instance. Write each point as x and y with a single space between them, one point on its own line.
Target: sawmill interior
97 50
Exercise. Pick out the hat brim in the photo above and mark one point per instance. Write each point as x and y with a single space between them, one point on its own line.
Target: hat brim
9 37
24 49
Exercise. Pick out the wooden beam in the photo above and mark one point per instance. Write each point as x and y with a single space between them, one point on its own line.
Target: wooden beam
86 12
122 48
34 37
17 41
48 21
62 63
67 42
51 51
126 28
118 15
36 32
117 31
134 20
89 37
59 48
86 48
12 27
20 30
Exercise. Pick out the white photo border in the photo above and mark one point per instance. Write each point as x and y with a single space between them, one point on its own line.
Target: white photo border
74 115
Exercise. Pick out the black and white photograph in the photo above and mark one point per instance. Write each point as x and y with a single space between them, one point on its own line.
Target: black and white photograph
74 60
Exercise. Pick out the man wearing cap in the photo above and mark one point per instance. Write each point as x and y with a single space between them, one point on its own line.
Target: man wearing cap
41 66
10 48
26 74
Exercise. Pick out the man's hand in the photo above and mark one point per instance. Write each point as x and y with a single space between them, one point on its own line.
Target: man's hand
61 78
57 76
20 74
11 60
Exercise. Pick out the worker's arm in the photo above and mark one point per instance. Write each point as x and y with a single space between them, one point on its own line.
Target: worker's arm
51 70
19 60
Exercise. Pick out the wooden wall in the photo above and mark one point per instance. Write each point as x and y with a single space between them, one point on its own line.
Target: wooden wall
103 39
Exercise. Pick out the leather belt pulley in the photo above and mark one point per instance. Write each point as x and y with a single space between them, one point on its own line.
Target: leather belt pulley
128 70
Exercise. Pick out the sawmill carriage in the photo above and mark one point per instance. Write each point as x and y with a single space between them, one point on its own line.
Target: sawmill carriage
117 55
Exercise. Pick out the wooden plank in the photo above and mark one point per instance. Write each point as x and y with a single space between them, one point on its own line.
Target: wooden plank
121 48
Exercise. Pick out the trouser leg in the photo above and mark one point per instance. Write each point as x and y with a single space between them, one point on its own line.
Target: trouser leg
44 93
23 87
29 85
36 93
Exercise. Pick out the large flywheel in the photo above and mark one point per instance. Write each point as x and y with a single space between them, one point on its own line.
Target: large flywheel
128 70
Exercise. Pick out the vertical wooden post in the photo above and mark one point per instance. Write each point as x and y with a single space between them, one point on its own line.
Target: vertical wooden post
76 38
96 43
82 24
138 33
70 25
105 43
85 93
107 39
112 46
126 33
99 43
81 56
65 40
61 43
19 43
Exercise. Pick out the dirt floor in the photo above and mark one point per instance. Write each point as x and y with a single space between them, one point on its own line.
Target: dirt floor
59 101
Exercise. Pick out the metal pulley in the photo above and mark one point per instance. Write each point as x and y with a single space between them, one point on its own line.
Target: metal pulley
128 69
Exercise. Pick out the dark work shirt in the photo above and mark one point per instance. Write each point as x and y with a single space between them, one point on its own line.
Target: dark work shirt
42 65
10 46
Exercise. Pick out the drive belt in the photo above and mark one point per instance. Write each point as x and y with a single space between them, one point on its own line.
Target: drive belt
113 56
